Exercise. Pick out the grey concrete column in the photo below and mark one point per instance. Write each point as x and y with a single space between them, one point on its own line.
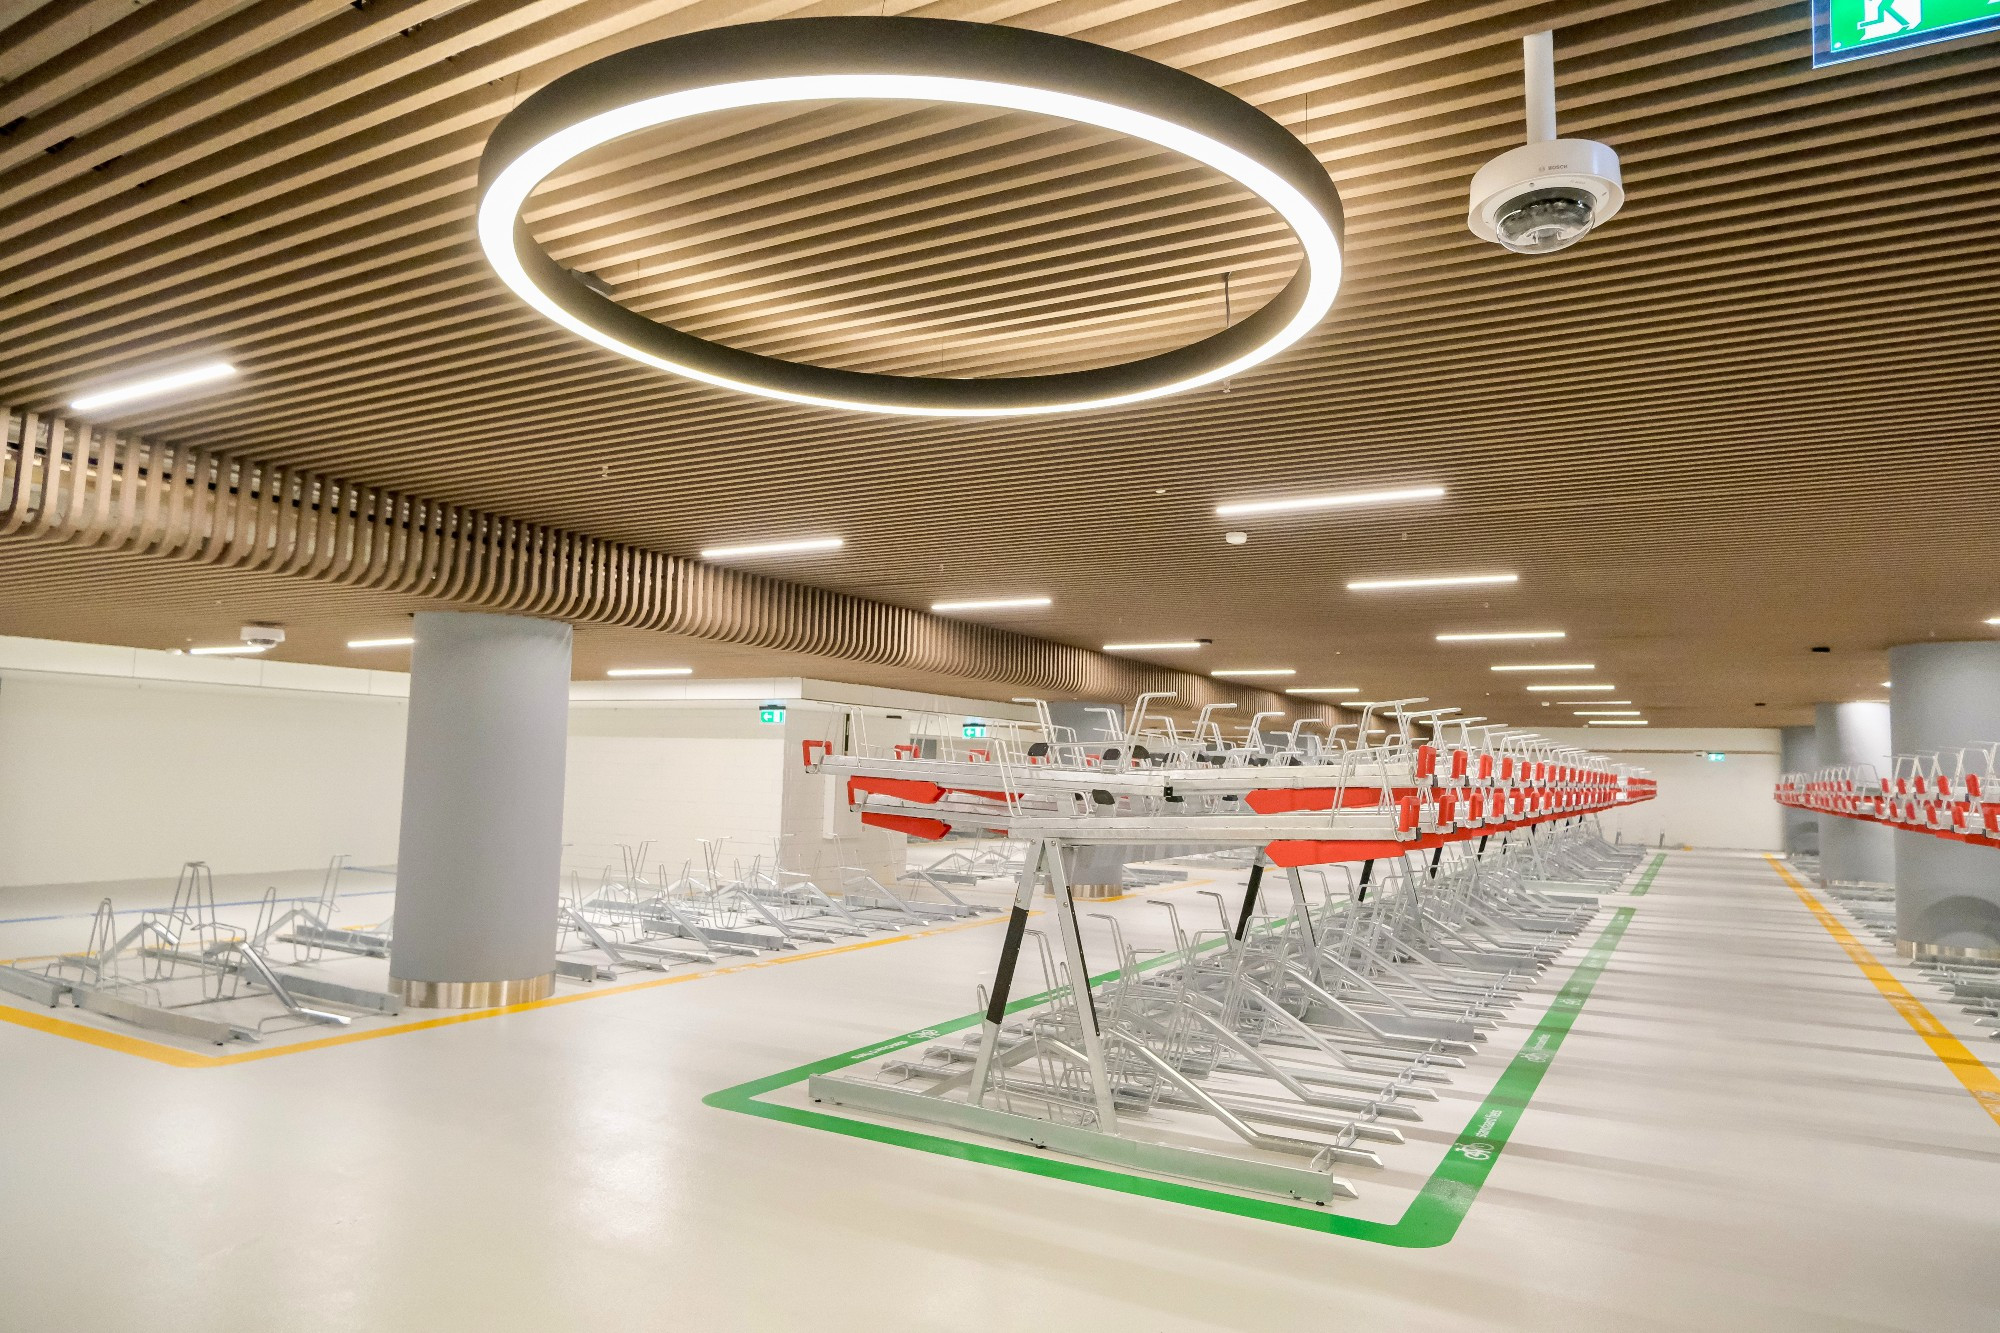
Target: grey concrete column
1092 872
1798 749
1091 728
479 869
1946 696
1095 872
1854 849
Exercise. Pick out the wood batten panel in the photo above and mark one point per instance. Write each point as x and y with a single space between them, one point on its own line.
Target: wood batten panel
67 484
1752 414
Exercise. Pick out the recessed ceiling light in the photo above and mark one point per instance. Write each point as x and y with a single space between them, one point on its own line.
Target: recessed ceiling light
1179 646
1888 684
621 673
230 650
1445 581
206 373
1607 712
1324 689
1572 686
1254 671
772 548
1581 702
1547 666
1350 500
993 604
1499 635
380 643
1993 620
1616 724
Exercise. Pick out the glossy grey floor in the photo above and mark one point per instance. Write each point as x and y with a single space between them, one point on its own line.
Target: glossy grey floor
1739 1134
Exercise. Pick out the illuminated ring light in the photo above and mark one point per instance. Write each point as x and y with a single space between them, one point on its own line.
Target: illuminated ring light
918 60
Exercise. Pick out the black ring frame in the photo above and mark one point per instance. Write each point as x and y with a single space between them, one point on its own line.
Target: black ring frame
787 48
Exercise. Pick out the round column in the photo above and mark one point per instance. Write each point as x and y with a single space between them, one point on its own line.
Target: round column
479 867
1855 849
1799 753
1095 872
1945 696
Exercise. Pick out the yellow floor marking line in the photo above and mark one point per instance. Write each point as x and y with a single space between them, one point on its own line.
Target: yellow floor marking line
180 1059
1967 1068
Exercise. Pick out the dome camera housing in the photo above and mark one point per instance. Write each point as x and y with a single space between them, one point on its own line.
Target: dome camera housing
1549 193
1544 197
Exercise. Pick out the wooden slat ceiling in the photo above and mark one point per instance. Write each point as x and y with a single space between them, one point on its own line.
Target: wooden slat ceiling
1756 413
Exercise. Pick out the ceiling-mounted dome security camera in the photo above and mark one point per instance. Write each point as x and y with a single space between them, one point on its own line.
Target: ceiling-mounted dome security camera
1545 195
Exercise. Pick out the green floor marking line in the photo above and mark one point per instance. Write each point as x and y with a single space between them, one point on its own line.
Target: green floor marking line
1646 880
1432 1218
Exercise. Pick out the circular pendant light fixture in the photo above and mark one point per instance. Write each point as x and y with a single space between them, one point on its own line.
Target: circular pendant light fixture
916 60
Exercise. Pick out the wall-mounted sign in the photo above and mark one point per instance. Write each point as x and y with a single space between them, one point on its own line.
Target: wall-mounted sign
772 713
1851 29
974 731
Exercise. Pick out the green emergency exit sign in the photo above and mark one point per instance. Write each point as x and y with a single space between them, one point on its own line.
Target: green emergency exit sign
772 713
974 731
1851 29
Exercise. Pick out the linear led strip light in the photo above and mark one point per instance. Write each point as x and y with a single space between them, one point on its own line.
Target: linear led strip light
993 604
1347 500
208 372
1500 636
802 546
1441 581
907 60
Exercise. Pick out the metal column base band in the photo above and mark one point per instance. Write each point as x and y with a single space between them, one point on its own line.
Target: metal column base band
1946 952
472 994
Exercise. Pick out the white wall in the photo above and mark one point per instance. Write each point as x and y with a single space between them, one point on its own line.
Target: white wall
823 834
670 775
1702 802
108 778
120 763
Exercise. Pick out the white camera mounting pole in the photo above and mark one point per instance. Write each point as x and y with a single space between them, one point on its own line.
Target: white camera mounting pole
1538 57
1546 194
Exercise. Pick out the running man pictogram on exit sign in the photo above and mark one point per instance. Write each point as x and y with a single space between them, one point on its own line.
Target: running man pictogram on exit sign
1851 29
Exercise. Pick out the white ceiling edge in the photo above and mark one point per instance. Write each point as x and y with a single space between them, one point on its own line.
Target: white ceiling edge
1667 740
114 662
111 661
792 689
